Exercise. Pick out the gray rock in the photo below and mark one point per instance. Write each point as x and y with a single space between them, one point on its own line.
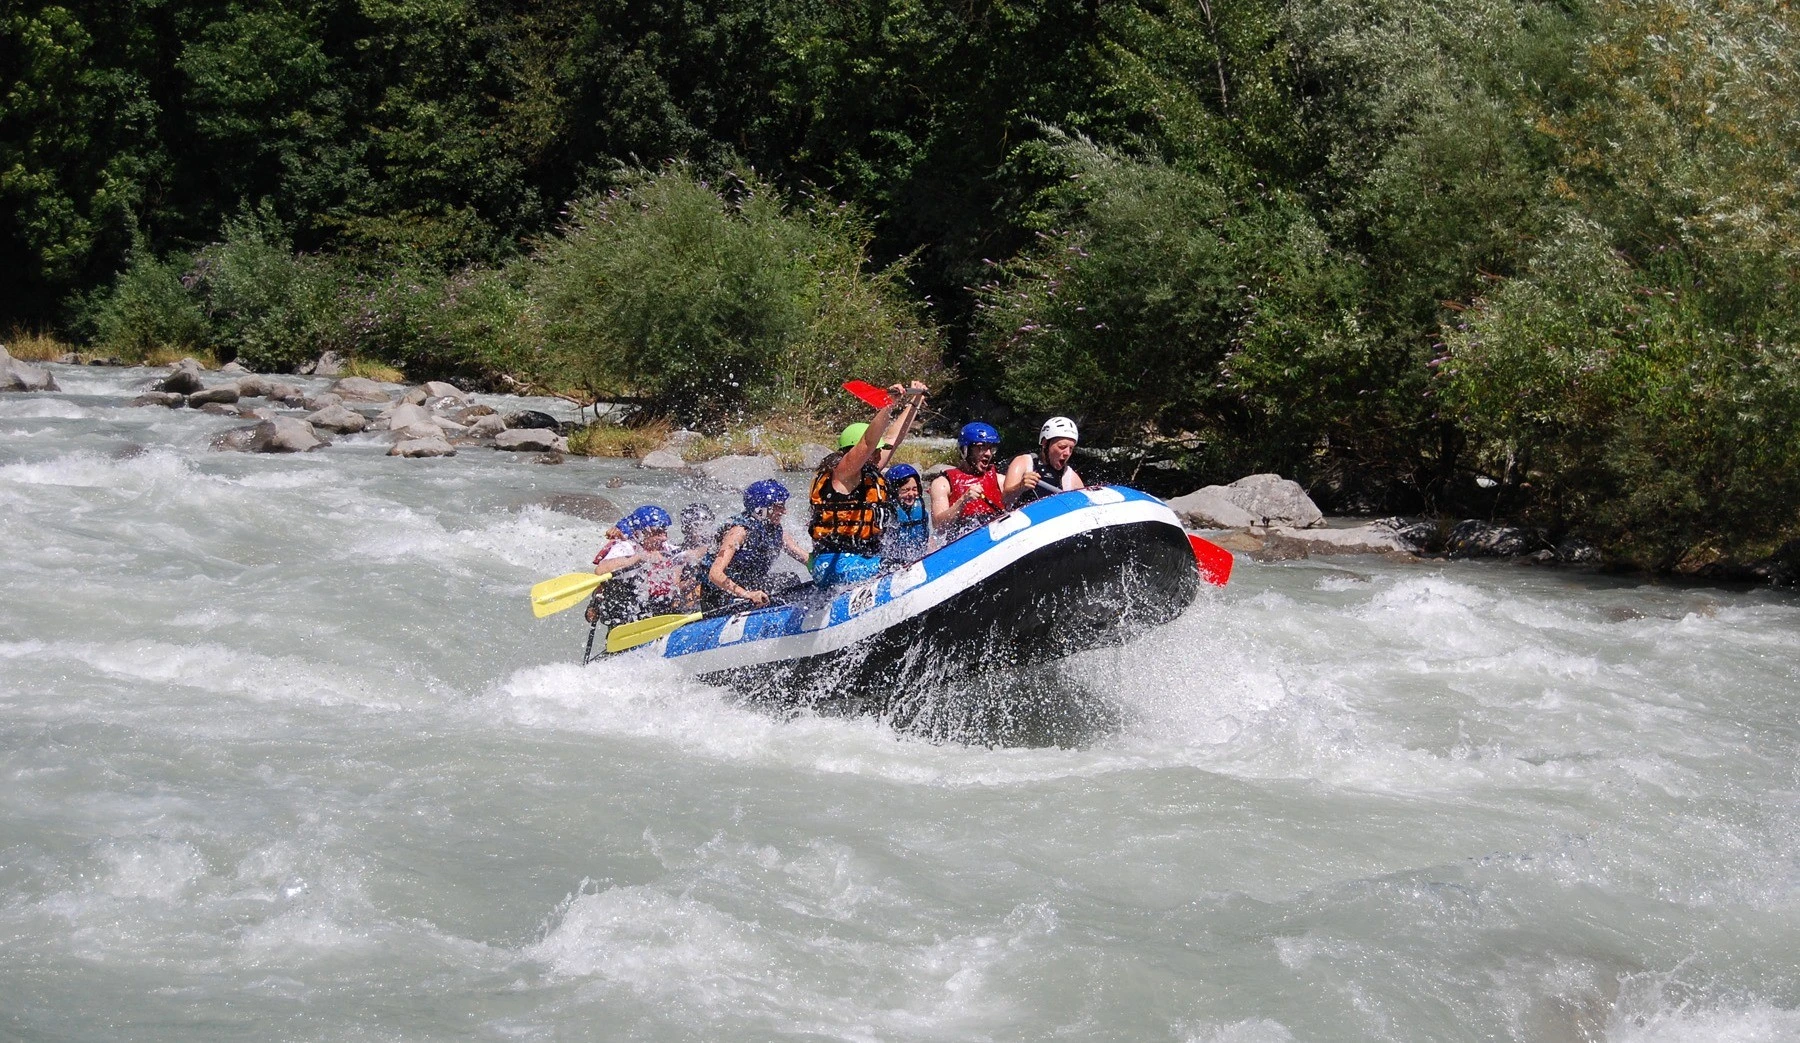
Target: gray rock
323 400
1284 542
233 367
337 418
1274 500
663 458
328 364
441 389
280 435
67 358
362 389
552 457
424 429
1210 508
160 398
1474 538
1574 550
253 386
933 471
737 472
469 413
215 408
529 440
249 413
414 396
531 420
292 394
682 437
812 454
450 427
285 435
224 393
402 414
436 445
185 380
487 426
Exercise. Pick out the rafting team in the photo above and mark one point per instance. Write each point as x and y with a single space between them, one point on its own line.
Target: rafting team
865 514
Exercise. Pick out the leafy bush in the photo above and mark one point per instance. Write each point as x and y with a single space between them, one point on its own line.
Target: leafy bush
271 308
706 303
1610 400
148 308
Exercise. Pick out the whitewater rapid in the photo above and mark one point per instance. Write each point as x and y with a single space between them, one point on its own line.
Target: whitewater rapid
285 755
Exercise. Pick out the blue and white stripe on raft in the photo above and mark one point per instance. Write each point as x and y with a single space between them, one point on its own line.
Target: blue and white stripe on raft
1062 574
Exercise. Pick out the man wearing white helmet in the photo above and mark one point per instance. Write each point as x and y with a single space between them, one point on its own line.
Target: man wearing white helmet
1047 471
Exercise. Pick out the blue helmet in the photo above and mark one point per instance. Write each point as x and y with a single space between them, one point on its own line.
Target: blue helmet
644 518
766 493
900 473
977 433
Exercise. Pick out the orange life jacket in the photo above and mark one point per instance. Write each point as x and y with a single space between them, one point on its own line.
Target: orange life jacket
847 523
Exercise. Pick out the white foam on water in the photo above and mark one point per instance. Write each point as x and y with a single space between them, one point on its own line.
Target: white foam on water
22 407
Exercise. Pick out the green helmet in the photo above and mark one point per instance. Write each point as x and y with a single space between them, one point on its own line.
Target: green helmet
852 435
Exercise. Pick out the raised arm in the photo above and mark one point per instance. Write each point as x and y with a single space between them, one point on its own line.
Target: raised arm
915 401
844 476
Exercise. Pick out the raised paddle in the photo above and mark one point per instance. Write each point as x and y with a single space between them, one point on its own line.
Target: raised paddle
874 396
1215 561
565 591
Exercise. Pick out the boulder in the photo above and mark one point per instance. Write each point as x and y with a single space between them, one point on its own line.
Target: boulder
435 445
663 458
487 426
280 435
248 413
362 389
328 364
234 367
1274 500
469 413
551 457
185 380
530 420
215 408
682 436
253 386
285 435
441 389
337 418
737 472
224 393
450 428
1285 542
812 454
322 400
1211 508
424 429
160 398
528 440
291 394
402 414
1474 538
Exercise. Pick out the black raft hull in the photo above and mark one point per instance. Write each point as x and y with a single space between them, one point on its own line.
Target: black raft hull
980 618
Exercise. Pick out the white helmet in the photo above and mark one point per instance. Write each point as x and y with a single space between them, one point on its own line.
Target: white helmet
1059 427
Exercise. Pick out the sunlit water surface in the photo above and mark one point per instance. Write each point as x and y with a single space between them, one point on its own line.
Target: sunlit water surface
286 756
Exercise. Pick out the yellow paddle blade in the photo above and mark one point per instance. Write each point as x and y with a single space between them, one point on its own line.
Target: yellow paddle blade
566 591
643 631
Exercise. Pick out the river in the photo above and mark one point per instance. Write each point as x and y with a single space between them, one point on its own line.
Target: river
286 756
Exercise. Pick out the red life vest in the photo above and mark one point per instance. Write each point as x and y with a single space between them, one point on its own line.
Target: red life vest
988 501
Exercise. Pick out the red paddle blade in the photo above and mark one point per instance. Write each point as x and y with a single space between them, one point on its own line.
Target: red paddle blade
1215 561
868 392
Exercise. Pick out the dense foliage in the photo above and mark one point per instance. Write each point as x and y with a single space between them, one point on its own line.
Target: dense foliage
1387 246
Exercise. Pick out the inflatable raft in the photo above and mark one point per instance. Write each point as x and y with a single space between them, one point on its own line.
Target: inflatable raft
1060 575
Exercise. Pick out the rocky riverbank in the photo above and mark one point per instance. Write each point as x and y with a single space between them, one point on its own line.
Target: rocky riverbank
1265 517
